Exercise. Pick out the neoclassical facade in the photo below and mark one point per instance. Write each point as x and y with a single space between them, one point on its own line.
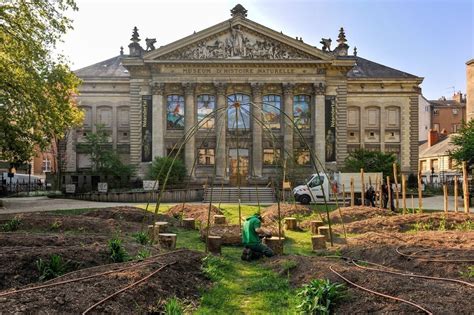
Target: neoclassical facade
239 96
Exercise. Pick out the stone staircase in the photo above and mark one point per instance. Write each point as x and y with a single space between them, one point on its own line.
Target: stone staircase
247 194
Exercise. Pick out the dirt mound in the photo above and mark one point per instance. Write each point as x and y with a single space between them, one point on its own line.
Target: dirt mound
286 210
180 276
358 213
129 214
230 234
416 222
441 298
198 212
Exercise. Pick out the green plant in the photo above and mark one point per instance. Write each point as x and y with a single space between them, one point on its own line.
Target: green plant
162 165
173 307
442 224
11 225
143 254
320 296
287 265
141 238
117 251
51 269
469 273
465 226
55 225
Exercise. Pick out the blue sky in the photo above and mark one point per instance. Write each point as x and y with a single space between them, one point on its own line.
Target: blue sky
429 38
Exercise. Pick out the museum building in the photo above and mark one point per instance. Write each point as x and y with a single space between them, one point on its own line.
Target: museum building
239 97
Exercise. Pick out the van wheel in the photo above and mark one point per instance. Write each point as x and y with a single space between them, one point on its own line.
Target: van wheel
305 199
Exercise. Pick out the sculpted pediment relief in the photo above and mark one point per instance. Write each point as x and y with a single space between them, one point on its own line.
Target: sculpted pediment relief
238 42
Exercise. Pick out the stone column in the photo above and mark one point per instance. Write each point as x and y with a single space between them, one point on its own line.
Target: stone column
221 130
287 124
319 127
189 121
257 149
158 144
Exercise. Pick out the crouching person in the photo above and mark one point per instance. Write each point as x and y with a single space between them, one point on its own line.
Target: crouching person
252 234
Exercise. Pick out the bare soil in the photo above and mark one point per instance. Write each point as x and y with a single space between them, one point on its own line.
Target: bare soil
198 212
270 214
230 234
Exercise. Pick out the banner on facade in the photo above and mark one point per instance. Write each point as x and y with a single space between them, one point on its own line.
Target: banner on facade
330 129
147 128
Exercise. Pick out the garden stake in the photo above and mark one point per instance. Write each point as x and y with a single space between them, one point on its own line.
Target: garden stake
395 178
420 191
404 190
445 197
389 188
343 195
362 190
352 192
455 194
465 187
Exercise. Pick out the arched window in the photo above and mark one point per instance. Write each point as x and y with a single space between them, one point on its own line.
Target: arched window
238 117
205 106
272 111
175 112
87 123
301 111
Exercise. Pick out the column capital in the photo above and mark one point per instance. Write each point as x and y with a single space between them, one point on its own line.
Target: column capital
288 88
189 88
257 89
221 88
319 88
157 88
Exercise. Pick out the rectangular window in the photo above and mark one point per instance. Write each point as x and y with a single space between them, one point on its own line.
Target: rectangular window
423 165
301 111
46 165
205 106
435 165
271 156
206 157
175 112
455 111
435 112
302 157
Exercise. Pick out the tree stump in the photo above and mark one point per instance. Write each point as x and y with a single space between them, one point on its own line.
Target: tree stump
315 225
189 224
219 219
167 240
318 241
153 231
214 244
324 230
162 226
291 224
275 244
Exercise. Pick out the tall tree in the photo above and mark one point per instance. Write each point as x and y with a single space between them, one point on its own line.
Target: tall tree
37 89
464 142
370 161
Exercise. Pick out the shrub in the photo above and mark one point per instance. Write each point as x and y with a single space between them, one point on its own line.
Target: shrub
117 251
11 225
141 238
320 296
53 268
161 165
173 307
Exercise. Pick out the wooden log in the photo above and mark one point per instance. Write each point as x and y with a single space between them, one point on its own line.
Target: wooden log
318 241
162 226
315 225
189 223
275 244
395 178
167 240
362 183
153 232
214 244
455 194
445 197
465 187
291 224
324 230
352 192
404 194
219 219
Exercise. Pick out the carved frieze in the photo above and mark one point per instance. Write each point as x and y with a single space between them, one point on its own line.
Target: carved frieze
288 89
256 89
157 88
238 43
189 88
221 88
320 88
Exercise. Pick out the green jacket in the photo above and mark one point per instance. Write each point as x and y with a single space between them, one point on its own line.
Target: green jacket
249 235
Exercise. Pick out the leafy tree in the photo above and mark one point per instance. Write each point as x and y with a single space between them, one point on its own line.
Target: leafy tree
464 142
370 161
161 165
37 90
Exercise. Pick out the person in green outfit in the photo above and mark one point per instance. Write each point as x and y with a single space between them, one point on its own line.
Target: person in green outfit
252 234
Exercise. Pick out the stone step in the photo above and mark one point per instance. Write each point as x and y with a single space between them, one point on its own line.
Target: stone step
247 194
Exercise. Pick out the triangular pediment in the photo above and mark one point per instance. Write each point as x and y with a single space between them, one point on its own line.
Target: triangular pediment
238 38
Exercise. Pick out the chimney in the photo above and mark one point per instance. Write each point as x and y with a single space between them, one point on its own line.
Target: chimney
433 137
458 97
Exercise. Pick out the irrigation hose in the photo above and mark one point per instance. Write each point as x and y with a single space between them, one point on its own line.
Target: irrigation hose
380 294
126 288
86 277
428 259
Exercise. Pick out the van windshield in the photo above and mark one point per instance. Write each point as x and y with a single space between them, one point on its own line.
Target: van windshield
317 180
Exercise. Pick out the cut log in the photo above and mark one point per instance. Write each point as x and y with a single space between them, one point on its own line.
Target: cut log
275 244
167 240
291 224
324 230
162 226
214 244
189 223
219 219
319 242
153 231
315 225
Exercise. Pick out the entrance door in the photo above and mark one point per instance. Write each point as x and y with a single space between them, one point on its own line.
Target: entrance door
239 168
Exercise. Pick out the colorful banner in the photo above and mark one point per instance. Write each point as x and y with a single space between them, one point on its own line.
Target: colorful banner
330 129
147 128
